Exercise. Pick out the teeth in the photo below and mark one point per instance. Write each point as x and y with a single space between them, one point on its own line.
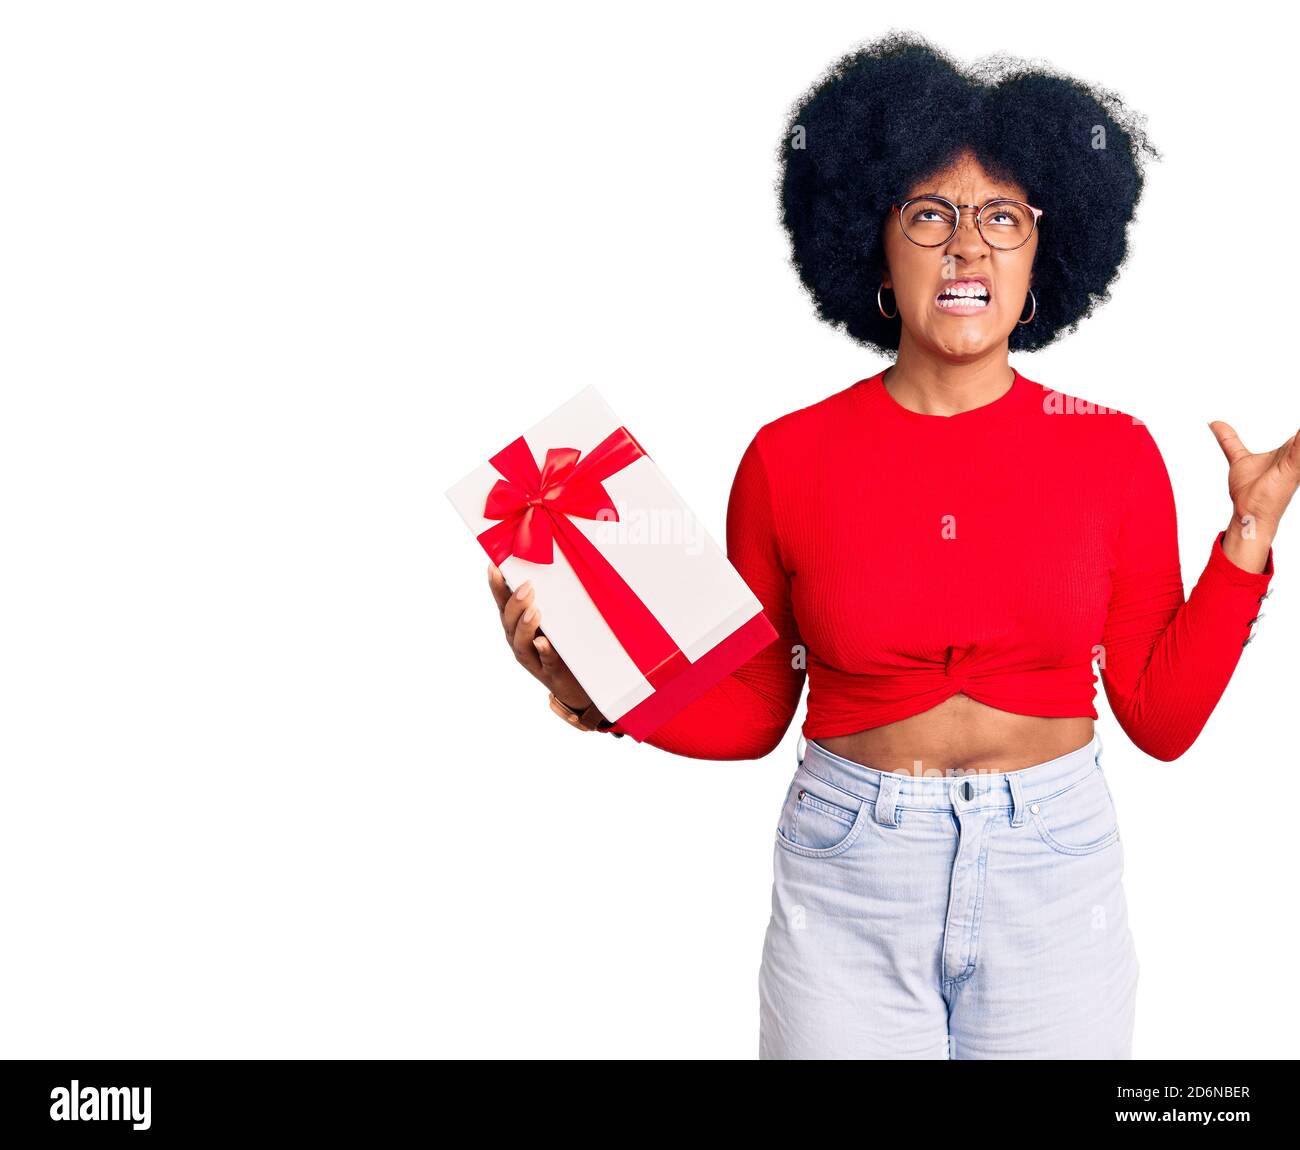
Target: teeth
964 295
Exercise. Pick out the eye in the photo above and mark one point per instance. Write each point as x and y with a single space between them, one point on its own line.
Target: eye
929 213
1004 216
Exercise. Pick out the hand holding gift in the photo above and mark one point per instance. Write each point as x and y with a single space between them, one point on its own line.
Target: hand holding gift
522 622
645 613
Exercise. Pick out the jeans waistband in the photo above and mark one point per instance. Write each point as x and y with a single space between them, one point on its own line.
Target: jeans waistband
890 790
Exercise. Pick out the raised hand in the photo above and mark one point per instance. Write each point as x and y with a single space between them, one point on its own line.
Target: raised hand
1260 485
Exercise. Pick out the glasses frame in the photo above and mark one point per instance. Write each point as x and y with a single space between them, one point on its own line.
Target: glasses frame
979 219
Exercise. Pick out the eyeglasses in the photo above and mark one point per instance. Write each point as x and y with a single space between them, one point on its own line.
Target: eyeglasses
930 221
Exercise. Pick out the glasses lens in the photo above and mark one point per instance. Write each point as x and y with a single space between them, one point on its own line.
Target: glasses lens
928 221
1006 223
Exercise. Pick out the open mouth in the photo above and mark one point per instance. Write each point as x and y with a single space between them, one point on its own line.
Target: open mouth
964 295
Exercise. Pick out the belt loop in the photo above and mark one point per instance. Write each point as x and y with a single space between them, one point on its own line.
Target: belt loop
802 749
887 799
1096 734
1017 798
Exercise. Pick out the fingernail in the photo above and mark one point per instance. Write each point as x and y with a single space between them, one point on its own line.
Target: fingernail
524 588
530 614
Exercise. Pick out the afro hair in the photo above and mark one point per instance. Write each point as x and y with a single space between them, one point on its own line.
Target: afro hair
897 110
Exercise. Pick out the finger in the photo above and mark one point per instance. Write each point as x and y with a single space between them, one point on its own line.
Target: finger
1232 446
515 606
522 640
556 674
500 588
550 659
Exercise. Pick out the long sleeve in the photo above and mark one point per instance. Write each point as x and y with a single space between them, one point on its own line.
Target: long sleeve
1166 661
745 715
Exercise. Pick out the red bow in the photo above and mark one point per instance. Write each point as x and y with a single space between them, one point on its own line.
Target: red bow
534 507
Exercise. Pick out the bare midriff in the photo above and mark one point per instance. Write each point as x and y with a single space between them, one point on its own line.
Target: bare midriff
962 735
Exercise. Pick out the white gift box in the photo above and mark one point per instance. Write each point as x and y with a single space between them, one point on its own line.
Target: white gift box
635 596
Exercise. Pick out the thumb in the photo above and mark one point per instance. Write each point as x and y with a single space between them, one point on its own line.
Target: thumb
1232 446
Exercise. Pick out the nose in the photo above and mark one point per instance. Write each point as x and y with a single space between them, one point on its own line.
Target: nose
966 240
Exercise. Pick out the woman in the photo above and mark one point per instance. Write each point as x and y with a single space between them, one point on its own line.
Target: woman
945 548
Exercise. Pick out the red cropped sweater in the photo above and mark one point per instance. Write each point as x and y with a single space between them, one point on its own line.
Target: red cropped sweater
999 552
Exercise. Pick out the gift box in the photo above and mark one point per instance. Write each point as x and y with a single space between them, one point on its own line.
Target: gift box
635 596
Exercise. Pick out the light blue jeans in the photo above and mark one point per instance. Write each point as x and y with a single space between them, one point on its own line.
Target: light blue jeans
968 916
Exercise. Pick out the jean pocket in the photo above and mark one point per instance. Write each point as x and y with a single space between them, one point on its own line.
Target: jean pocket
819 820
1080 819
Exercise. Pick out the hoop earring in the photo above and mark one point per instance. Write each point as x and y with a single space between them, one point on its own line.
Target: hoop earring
881 306
1035 311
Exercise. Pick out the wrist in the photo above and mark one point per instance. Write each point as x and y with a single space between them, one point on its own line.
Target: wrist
1251 528
579 704
1248 544
587 718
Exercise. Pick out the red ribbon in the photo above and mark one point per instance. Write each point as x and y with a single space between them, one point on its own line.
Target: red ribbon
534 508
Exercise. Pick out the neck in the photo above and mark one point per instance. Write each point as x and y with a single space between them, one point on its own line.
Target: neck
932 386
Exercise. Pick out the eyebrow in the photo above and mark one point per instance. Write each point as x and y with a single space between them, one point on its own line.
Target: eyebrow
940 195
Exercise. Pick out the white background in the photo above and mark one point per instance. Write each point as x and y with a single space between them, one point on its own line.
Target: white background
274 276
